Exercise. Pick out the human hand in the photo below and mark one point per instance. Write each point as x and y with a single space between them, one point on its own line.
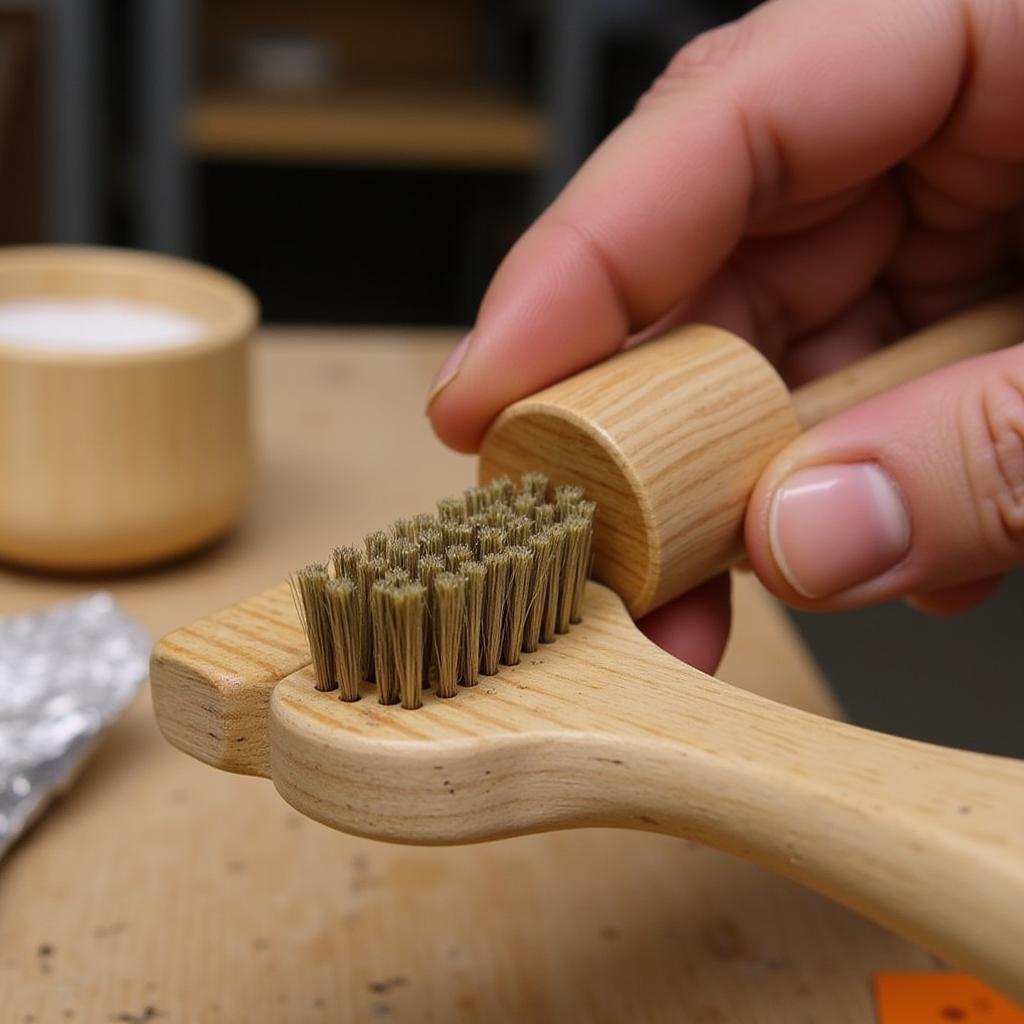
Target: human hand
819 179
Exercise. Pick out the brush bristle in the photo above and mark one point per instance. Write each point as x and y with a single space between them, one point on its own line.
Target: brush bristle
441 600
447 616
309 590
346 616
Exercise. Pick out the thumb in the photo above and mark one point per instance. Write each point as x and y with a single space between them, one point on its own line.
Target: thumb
918 490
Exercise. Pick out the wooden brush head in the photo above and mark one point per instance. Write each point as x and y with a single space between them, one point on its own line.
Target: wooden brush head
377 771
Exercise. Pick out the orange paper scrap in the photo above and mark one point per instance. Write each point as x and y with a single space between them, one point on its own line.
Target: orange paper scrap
941 998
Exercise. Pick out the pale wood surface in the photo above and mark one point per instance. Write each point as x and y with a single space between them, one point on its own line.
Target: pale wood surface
159 881
110 460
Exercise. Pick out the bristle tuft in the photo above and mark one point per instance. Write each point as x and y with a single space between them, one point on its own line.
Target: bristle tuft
346 617
575 535
543 516
371 571
501 489
454 533
475 574
431 541
376 544
567 497
424 521
518 530
540 545
309 590
522 505
382 662
520 566
556 578
404 554
448 619
581 532
398 612
489 541
498 514
404 529
535 485
451 509
477 499
345 561
409 610
397 577
495 595
456 555
430 568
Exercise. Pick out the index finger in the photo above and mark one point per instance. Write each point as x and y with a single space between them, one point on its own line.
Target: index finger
795 103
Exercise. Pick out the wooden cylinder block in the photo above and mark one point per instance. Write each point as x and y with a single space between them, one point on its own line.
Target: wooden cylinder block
669 439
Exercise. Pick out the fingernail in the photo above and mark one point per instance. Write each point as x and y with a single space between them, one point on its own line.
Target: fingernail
833 527
449 369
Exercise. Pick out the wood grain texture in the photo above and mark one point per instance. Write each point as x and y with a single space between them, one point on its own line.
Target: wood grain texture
158 882
112 460
215 678
669 439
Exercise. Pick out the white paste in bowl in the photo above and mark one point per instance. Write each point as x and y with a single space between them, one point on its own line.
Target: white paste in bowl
94 325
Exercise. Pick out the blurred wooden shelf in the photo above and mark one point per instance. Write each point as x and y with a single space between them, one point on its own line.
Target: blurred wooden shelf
440 129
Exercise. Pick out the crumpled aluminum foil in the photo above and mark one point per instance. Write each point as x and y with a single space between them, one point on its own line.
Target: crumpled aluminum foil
65 674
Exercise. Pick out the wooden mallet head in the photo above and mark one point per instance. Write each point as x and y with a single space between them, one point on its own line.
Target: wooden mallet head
670 437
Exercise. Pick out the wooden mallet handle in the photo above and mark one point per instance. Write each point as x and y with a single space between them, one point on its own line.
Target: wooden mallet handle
671 436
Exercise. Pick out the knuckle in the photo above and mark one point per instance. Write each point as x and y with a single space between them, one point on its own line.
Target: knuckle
709 51
702 58
992 441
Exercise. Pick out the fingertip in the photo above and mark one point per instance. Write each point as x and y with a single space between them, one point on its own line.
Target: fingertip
550 311
445 404
451 426
756 533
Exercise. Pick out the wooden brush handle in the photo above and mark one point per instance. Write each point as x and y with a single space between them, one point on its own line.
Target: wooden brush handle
670 437
926 840
605 729
602 728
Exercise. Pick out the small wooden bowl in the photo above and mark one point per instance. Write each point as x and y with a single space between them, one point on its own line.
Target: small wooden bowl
116 459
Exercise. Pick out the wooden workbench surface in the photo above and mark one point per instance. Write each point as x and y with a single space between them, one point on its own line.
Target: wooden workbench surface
161 889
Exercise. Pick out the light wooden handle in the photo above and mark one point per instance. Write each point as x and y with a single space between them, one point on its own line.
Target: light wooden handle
670 438
925 840
986 328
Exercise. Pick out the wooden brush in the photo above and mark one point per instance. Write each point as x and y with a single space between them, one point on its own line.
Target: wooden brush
602 728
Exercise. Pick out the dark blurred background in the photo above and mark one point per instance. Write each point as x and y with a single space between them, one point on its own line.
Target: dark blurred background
370 163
